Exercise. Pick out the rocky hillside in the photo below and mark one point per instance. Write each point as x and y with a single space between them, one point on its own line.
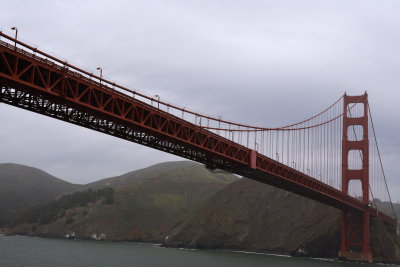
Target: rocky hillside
144 201
22 186
247 215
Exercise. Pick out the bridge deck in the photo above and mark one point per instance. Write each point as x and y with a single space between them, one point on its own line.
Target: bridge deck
45 85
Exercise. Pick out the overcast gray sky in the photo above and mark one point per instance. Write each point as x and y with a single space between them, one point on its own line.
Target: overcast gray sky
264 62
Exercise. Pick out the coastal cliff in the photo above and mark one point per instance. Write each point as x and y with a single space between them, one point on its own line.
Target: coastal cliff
248 215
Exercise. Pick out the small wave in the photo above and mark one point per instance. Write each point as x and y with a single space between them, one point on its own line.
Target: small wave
256 253
323 259
278 255
188 249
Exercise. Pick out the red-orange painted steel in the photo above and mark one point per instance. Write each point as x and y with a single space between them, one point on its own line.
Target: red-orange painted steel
355 227
253 159
44 86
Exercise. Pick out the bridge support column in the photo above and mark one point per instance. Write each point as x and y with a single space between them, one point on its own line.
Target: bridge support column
354 226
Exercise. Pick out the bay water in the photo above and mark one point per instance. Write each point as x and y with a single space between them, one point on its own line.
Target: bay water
31 251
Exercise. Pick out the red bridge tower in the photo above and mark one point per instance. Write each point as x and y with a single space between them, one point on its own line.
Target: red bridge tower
355 226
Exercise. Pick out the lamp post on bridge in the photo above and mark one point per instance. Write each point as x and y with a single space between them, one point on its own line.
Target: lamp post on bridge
101 72
16 35
158 106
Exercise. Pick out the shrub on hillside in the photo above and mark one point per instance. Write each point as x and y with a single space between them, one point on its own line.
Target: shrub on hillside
53 210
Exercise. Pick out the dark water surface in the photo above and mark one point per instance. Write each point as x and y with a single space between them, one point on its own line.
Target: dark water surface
29 251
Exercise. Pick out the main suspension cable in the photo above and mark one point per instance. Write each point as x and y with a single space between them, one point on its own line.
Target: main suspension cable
380 161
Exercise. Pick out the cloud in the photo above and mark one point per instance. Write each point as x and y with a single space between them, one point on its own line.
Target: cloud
266 62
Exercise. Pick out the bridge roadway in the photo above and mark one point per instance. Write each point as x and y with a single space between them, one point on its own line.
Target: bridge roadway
35 81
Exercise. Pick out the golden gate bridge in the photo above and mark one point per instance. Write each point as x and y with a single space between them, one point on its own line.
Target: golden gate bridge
330 157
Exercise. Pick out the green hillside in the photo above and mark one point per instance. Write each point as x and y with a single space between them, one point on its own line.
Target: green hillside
176 170
144 201
22 186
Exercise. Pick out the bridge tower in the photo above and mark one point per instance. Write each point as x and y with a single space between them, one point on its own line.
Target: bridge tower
355 226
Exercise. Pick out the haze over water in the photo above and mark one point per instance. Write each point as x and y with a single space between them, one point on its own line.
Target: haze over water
28 251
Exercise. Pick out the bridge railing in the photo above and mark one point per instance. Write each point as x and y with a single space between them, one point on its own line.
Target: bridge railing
113 88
